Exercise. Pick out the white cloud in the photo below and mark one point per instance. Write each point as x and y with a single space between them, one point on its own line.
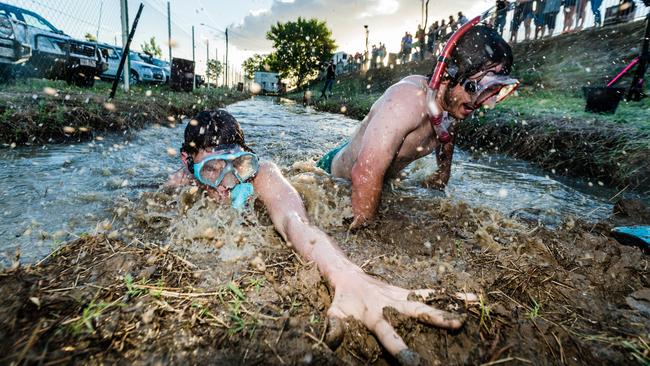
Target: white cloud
387 20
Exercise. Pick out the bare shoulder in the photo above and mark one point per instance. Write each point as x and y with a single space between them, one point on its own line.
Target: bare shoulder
404 101
409 92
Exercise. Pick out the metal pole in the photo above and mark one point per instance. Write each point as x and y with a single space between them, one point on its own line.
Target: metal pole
99 22
193 61
226 56
207 62
422 12
367 54
126 50
169 31
124 7
216 75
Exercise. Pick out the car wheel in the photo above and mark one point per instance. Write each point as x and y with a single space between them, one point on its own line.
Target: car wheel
133 78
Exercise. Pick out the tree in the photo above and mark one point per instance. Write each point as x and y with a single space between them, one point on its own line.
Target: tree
215 68
301 48
252 64
89 37
259 62
152 48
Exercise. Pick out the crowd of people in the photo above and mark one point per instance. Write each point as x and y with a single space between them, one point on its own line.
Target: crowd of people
538 17
542 14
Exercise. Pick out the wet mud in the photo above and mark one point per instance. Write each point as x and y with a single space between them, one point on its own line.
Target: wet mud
178 279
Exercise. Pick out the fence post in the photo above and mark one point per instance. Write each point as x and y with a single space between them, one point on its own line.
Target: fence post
226 57
194 61
169 31
124 7
207 62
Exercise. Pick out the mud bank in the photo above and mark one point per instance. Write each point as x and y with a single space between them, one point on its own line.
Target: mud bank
607 148
180 279
38 111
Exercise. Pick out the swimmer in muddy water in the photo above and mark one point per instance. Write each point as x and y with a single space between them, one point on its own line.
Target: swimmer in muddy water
216 158
416 116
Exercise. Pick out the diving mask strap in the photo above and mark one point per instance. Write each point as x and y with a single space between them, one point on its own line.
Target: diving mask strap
240 193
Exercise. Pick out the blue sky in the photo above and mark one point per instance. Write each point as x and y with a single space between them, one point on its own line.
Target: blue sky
247 20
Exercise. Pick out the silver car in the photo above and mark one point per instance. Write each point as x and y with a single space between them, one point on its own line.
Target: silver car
140 71
32 46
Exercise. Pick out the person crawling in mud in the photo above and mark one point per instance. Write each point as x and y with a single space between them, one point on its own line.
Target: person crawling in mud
216 158
415 117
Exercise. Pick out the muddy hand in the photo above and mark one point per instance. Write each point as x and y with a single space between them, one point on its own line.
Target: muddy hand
436 180
364 298
358 222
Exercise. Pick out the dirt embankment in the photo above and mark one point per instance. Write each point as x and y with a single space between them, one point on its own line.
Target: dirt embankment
41 112
556 133
569 296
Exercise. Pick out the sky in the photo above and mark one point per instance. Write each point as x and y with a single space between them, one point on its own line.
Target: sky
247 22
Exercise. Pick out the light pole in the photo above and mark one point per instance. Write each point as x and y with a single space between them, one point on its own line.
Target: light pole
226 63
366 55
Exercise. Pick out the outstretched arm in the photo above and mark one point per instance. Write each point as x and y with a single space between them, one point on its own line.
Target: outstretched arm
395 117
356 294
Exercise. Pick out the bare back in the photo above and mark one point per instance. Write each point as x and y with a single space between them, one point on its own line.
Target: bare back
399 117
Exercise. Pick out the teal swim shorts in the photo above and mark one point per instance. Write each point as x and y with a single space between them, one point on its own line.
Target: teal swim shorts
325 162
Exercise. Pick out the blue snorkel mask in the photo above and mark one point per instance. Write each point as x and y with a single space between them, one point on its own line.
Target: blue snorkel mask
243 165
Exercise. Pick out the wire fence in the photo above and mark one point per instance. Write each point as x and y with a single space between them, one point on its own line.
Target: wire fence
73 25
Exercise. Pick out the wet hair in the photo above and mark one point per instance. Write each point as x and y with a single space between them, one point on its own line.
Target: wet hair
477 50
211 130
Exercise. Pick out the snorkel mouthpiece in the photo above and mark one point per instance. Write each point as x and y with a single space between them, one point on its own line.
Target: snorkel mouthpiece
240 194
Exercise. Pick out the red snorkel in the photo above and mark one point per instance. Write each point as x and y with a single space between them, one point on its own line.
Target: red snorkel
435 114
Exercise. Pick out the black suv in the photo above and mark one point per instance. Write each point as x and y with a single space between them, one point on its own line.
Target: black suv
32 46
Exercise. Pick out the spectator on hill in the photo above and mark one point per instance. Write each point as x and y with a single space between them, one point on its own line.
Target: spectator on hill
442 31
502 13
462 19
452 24
569 12
551 9
420 35
539 18
595 8
407 42
523 13
374 53
581 11
330 75
431 36
382 54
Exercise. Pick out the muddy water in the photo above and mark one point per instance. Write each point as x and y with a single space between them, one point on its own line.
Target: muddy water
54 193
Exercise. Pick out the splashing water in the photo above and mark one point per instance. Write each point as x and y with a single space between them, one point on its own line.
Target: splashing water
68 189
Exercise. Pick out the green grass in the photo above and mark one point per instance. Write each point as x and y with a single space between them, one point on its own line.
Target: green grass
534 310
555 104
85 324
36 110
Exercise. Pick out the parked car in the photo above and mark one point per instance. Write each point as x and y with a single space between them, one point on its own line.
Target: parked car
158 62
32 46
140 70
